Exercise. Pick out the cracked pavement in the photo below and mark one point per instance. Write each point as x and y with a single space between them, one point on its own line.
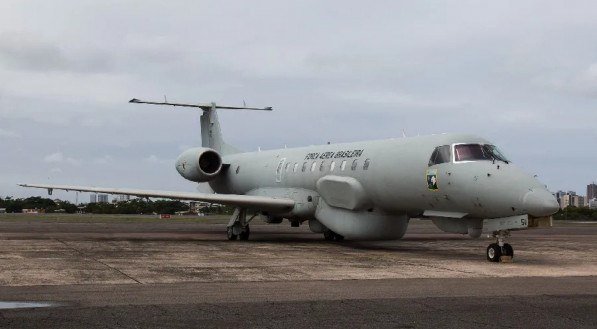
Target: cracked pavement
180 274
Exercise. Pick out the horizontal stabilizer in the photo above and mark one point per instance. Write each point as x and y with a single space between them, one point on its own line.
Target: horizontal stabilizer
204 107
245 201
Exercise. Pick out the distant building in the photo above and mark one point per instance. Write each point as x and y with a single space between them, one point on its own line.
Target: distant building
593 203
559 195
195 206
578 201
122 198
564 201
102 198
93 198
2 210
570 199
32 211
591 191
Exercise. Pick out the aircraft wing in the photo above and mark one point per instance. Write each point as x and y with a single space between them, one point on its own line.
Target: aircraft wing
247 201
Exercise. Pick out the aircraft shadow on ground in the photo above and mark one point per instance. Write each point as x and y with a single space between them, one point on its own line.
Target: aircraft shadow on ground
462 249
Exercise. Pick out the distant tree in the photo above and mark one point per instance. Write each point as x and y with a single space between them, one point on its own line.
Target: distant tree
574 213
68 207
134 206
169 206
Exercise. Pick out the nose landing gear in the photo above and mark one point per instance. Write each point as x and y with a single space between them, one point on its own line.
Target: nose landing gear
500 251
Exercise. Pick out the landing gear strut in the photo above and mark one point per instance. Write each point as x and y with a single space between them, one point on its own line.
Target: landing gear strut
330 235
500 249
238 226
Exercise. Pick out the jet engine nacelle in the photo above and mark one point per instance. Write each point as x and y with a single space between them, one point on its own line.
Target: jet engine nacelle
199 164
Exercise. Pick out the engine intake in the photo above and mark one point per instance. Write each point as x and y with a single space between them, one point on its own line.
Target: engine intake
199 164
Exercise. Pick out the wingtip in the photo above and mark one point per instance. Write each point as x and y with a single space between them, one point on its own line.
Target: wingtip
134 100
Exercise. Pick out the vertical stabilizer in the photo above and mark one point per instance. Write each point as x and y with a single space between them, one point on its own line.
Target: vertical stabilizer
211 133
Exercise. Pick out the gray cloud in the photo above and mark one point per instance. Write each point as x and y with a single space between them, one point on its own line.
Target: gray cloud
22 51
521 73
8 134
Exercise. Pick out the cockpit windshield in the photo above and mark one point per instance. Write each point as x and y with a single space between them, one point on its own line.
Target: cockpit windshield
441 154
477 152
496 153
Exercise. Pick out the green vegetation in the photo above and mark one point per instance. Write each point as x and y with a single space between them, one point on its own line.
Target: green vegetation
111 218
48 205
574 213
135 206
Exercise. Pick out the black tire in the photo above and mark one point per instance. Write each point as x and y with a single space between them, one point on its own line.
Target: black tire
338 237
230 234
494 252
244 235
328 235
507 250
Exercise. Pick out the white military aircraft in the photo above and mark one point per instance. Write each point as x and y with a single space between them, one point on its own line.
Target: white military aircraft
363 190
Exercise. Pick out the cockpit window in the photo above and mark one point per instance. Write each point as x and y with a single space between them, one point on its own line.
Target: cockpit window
477 152
441 154
496 153
470 152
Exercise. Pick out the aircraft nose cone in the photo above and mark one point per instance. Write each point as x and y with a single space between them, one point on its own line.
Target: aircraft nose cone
540 203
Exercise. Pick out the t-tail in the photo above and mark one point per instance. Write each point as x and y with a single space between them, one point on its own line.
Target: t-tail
211 133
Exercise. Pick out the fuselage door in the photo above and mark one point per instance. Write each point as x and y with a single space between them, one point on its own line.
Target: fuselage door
280 170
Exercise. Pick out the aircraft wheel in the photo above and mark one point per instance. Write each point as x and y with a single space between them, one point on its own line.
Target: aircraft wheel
494 252
507 250
244 235
328 235
338 237
230 234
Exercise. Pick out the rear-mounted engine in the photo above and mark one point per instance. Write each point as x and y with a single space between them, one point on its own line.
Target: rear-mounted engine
199 164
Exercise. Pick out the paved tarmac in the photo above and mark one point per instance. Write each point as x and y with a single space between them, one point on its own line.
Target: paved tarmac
157 274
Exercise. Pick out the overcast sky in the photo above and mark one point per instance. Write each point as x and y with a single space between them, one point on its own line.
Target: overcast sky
522 74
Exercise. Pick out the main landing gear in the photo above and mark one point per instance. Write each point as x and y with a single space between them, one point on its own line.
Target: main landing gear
238 226
500 251
330 235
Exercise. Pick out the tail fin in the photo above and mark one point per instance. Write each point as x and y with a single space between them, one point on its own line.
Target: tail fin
211 134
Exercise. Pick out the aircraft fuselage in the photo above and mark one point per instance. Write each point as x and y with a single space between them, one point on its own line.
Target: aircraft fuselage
395 181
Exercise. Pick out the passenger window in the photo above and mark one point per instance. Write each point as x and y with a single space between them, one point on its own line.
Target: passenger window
321 165
366 164
343 166
295 167
354 165
441 154
333 165
313 166
304 167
